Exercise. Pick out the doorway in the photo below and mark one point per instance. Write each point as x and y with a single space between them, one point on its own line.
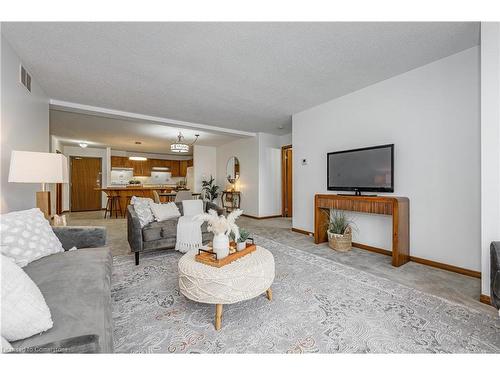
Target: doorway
286 181
86 176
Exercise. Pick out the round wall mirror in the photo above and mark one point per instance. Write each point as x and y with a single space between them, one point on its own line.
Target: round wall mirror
233 169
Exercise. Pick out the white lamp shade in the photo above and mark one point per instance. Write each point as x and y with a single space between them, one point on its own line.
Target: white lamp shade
38 167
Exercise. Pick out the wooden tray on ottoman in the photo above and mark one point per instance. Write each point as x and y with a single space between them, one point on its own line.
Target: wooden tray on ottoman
210 258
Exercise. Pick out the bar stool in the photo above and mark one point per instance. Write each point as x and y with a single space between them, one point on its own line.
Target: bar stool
113 204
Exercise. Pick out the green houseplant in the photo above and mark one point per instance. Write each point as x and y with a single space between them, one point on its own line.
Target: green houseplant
241 241
209 189
339 231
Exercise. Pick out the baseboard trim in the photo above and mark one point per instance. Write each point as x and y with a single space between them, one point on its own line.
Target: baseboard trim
261 217
301 231
446 267
426 262
372 248
485 299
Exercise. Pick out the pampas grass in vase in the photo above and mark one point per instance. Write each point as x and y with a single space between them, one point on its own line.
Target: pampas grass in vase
221 227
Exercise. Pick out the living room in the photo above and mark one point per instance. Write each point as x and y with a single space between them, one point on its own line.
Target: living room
250 187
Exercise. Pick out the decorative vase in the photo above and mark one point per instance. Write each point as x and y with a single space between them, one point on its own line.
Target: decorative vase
241 246
221 245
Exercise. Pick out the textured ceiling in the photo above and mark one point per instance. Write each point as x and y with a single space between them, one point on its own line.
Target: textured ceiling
246 76
73 128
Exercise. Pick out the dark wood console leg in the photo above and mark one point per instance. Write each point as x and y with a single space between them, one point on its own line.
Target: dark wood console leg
136 258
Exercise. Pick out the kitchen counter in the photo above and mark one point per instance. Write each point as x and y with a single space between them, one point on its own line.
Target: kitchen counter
127 192
141 187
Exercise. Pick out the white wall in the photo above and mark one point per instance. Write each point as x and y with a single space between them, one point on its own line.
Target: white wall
85 152
204 164
270 174
490 145
247 152
25 127
260 172
432 116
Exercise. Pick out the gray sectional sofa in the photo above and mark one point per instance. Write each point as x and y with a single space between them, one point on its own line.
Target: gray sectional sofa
159 235
495 274
77 288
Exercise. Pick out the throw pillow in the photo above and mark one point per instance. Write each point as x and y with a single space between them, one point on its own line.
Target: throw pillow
24 310
165 211
192 207
142 207
26 236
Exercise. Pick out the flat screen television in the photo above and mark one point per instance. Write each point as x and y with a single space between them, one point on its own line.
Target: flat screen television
369 169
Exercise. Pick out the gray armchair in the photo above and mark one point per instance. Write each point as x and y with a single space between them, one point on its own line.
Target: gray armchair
80 237
495 274
159 235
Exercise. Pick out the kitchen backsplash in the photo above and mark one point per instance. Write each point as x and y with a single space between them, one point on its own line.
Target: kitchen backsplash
122 177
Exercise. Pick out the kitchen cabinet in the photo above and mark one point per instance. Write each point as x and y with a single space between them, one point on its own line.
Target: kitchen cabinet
178 168
117 161
175 165
183 164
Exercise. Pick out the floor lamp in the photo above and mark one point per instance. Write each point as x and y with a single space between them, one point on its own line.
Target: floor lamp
39 167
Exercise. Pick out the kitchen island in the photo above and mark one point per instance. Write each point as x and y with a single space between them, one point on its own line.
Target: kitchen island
125 193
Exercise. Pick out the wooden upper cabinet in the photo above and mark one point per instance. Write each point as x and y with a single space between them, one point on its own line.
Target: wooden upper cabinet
167 164
178 168
183 168
175 165
156 163
118 161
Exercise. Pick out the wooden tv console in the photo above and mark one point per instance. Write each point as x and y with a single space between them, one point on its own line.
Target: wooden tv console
397 207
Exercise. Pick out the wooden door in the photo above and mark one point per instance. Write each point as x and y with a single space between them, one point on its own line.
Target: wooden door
190 162
86 175
286 176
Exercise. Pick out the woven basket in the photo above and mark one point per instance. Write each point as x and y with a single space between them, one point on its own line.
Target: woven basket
340 242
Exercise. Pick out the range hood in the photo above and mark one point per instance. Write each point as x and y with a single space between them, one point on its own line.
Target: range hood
121 169
160 169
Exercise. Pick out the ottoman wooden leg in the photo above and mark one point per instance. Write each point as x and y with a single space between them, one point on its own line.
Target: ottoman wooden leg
269 294
218 316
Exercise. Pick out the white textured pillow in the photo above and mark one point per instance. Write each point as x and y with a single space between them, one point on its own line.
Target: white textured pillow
192 207
26 236
24 310
165 211
142 207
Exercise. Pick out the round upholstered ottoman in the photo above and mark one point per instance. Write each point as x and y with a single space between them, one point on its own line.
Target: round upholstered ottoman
243 279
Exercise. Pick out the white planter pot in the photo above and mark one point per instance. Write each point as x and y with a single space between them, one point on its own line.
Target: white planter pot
241 246
221 245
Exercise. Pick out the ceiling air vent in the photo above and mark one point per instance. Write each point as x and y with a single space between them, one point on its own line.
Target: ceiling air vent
25 78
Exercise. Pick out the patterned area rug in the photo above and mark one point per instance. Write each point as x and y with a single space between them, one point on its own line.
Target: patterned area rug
319 306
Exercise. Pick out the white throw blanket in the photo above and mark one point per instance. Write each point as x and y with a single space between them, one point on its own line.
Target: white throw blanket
189 228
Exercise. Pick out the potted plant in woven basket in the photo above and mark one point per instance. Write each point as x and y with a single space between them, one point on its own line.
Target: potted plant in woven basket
339 231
